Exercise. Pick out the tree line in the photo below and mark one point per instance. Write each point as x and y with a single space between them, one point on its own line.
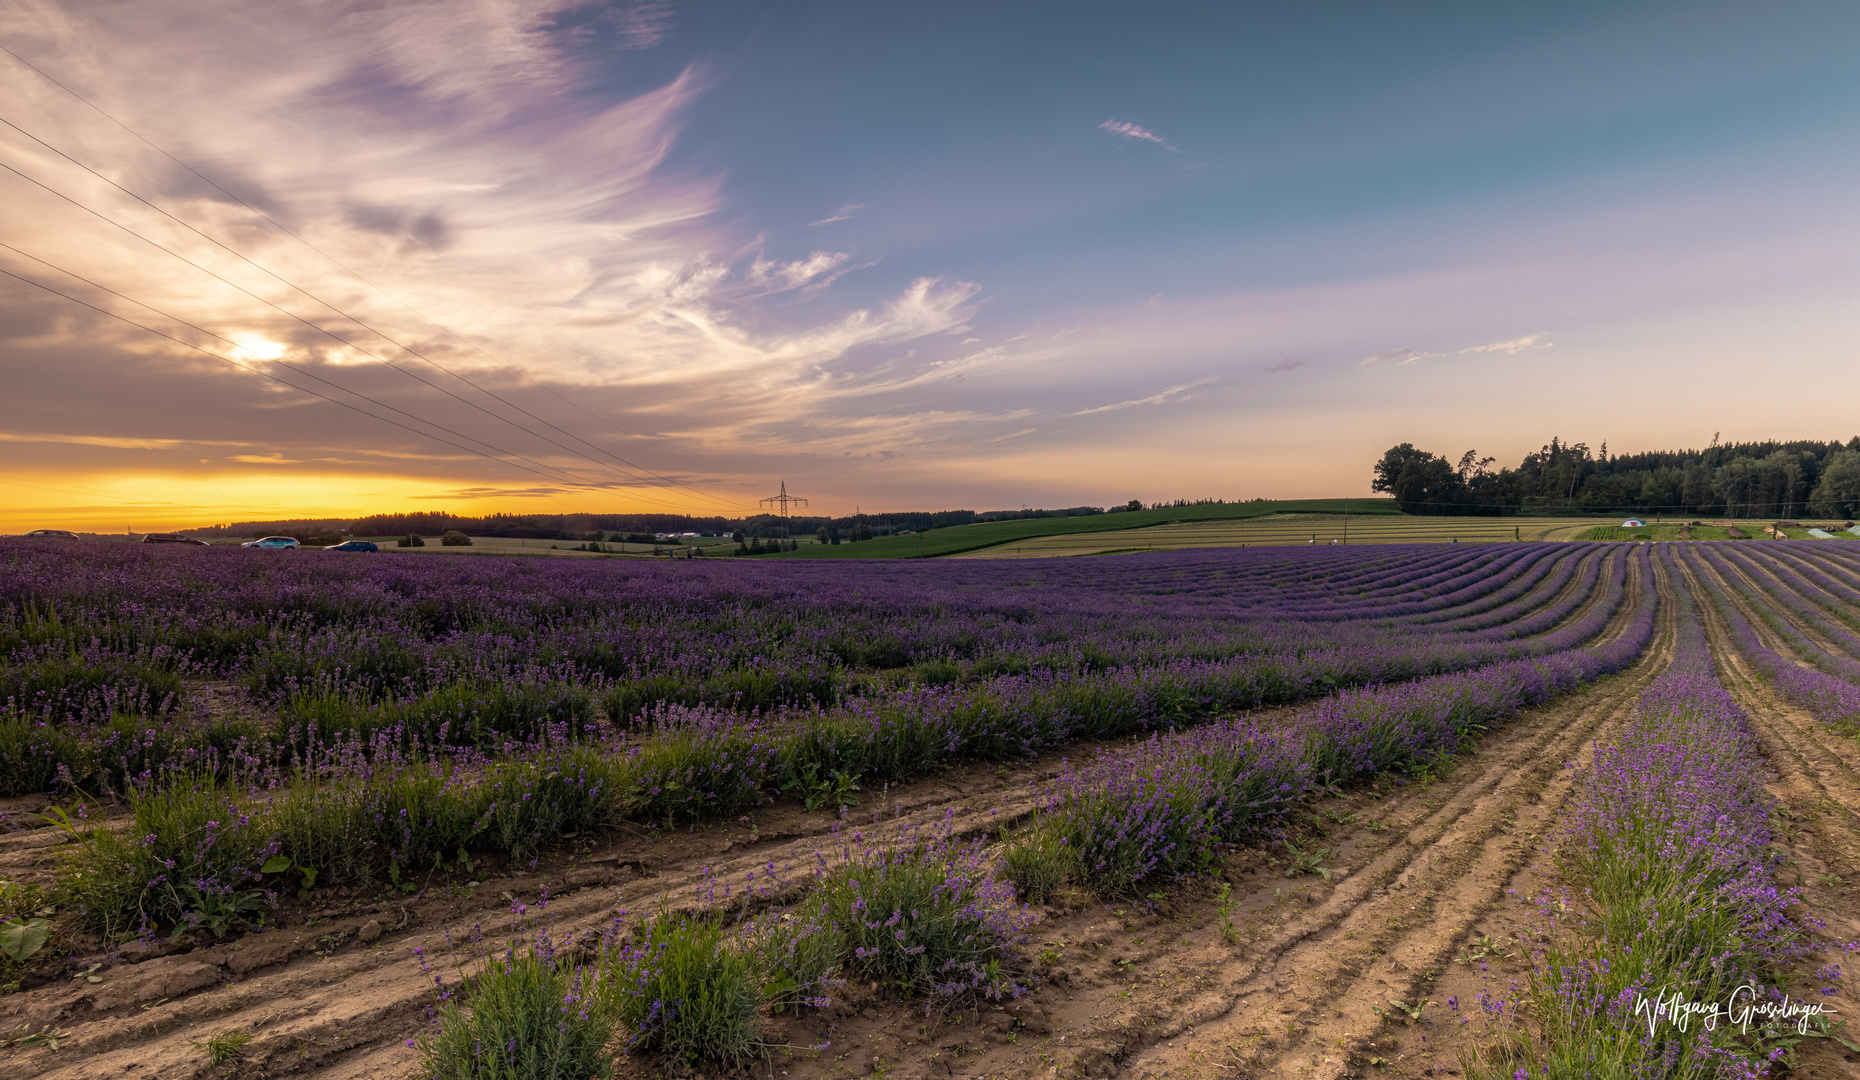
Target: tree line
1740 480
637 527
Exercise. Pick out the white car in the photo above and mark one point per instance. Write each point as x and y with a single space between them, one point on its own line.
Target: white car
281 543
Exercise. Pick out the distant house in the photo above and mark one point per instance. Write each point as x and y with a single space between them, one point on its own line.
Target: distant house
1633 523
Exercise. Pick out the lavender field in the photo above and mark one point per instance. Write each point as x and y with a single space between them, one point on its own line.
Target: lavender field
864 788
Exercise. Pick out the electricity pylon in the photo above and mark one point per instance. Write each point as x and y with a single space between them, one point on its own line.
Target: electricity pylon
784 500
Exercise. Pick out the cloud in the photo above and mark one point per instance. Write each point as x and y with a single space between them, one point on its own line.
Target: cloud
1404 357
1285 365
640 26
1399 357
1512 347
817 270
1128 130
1174 393
469 160
841 214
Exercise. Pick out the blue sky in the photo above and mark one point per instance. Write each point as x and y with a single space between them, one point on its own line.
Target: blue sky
958 255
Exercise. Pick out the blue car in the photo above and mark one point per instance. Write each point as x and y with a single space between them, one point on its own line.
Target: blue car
352 545
275 543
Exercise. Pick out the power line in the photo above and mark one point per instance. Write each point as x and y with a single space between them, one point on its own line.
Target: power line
359 277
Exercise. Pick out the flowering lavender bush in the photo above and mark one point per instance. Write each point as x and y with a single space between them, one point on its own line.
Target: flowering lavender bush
681 986
927 917
531 1014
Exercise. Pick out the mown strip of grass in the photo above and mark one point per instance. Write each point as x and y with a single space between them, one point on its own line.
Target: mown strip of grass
961 538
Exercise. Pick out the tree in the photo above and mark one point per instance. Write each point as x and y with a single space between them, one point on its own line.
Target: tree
1421 482
455 538
1837 495
1388 470
820 535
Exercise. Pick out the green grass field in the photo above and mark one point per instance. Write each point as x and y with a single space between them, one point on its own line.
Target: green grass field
961 538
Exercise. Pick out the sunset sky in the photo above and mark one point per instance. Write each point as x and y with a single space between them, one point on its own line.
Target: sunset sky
553 256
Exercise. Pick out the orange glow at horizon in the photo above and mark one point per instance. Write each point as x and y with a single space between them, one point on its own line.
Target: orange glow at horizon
111 503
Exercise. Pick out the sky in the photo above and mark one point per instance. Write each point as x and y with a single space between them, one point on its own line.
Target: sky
326 259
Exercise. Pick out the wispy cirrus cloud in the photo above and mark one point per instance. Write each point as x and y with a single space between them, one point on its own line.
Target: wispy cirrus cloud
817 271
1287 364
643 25
1512 347
1173 394
1406 356
841 214
1398 357
1128 130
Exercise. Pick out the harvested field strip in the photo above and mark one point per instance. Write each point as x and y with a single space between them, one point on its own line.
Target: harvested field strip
1281 530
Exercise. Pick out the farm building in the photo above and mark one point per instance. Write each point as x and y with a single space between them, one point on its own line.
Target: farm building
1633 523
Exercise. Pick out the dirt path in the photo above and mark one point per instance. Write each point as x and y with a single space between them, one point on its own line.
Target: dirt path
335 993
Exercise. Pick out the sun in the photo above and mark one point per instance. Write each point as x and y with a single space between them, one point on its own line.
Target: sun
258 348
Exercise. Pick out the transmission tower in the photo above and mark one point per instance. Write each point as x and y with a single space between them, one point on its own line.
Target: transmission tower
784 500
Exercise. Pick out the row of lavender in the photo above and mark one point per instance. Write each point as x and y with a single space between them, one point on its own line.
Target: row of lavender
349 810
1157 661
1669 906
1159 809
384 630
1830 688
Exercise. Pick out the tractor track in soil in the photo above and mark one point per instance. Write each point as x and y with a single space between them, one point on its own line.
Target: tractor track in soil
338 998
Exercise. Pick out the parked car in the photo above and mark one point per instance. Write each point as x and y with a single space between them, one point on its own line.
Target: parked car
53 534
278 543
171 538
353 545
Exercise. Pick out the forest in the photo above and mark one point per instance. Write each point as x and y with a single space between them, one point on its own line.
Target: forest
1738 480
